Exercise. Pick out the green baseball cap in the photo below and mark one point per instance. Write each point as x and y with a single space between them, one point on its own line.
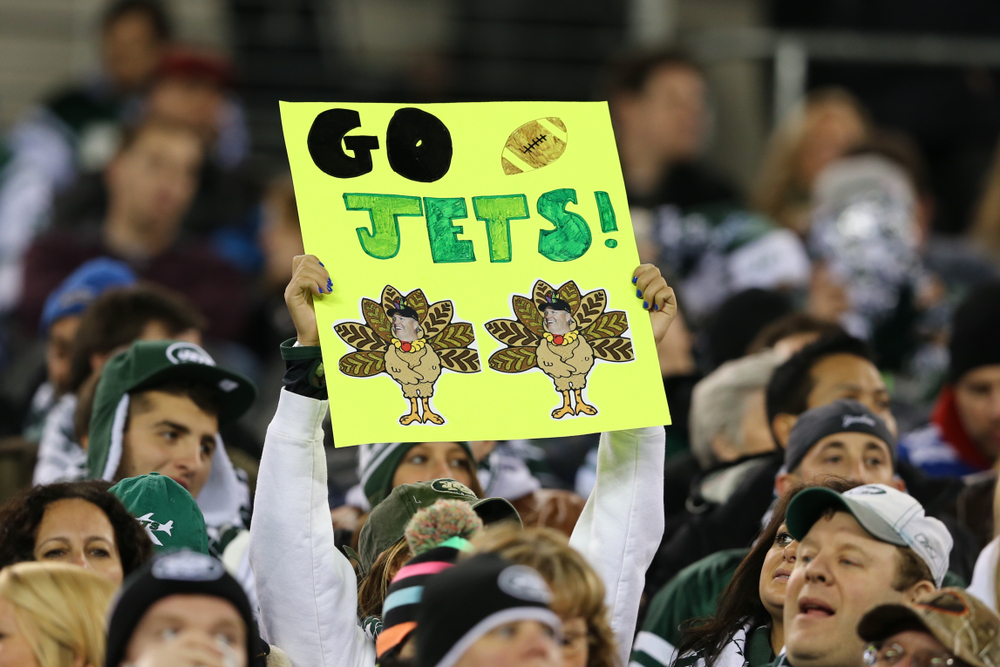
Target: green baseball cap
387 522
166 510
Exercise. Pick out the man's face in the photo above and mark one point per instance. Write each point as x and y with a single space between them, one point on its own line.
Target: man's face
674 109
847 376
557 322
405 328
860 457
59 350
152 182
182 626
840 573
131 51
194 102
172 436
977 397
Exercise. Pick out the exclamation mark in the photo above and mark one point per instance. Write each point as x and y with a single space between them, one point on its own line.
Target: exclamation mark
608 221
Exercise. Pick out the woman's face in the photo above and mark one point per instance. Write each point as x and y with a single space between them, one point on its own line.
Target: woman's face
778 565
434 460
14 648
517 644
576 642
78 532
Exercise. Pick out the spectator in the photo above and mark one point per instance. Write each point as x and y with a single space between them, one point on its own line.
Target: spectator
729 435
727 606
150 185
828 124
660 112
290 537
822 372
578 592
948 626
739 319
166 511
78 523
986 577
484 612
112 322
868 546
52 615
157 408
964 433
183 610
61 317
77 129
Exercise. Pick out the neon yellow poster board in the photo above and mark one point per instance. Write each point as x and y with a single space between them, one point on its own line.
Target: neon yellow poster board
482 258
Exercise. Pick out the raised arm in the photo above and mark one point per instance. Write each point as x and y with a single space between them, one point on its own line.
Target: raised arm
307 589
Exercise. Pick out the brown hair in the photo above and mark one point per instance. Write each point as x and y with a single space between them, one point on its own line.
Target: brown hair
910 570
372 589
794 324
578 590
118 317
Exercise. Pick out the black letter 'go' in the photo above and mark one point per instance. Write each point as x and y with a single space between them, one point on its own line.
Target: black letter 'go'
418 145
324 143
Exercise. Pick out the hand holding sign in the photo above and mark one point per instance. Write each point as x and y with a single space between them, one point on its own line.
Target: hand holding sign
482 259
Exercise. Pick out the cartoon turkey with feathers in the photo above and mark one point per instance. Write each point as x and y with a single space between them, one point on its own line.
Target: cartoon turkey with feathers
561 333
412 342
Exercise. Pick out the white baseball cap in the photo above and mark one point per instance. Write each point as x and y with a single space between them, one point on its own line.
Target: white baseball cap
887 514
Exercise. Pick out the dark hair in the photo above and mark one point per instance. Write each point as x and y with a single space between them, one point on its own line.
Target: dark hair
117 318
203 395
631 74
794 324
84 407
23 513
739 602
790 384
154 11
910 569
130 134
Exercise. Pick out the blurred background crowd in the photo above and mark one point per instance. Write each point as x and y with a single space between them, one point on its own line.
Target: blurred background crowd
794 170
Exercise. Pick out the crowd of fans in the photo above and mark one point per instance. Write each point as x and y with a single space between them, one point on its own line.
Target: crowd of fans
825 495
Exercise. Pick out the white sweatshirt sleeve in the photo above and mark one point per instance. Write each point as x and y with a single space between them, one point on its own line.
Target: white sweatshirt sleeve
983 584
307 589
622 522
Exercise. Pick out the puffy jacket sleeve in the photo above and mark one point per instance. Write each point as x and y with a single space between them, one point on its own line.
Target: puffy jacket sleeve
307 589
622 522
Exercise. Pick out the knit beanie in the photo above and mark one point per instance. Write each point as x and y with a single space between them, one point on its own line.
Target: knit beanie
377 466
177 573
462 604
975 331
436 536
841 416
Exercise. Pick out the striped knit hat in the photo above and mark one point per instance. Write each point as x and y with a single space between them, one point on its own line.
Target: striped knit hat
436 535
377 464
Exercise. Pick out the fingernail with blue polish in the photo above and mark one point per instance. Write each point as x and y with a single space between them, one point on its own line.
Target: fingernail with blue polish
656 307
634 278
638 293
645 304
329 284
322 264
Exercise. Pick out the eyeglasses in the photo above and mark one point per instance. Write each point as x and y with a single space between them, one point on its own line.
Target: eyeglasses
891 654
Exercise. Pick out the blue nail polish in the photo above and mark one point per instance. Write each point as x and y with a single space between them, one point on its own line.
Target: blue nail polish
645 304
656 307
322 264
634 278
638 293
329 284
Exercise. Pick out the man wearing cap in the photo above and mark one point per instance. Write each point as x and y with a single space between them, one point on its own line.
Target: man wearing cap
964 434
869 546
947 628
182 610
292 540
412 363
157 408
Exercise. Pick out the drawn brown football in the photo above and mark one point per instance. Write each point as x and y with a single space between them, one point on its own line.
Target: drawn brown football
534 145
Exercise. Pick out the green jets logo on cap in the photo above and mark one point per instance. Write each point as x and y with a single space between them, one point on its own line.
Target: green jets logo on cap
451 486
188 353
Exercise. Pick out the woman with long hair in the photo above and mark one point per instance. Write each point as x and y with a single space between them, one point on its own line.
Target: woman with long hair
52 615
748 626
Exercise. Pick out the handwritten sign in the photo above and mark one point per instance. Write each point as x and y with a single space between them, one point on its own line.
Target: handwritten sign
482 257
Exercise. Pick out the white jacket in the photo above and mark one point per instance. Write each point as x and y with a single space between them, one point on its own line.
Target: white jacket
984 584
307 589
